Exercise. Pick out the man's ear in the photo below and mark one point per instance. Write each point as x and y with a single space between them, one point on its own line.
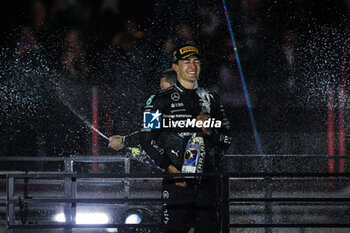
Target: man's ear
175 67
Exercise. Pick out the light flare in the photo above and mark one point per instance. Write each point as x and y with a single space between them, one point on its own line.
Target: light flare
245 90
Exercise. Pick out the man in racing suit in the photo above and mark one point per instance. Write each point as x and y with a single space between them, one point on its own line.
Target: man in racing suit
184 111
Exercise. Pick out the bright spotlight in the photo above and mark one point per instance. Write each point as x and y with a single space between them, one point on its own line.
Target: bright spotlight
60 217
85 218
112 230
93 218
133 219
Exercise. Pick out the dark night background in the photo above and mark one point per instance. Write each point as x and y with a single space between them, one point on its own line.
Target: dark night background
294 55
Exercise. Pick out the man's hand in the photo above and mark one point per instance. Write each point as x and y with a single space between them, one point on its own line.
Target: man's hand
116 142
173 169
202 117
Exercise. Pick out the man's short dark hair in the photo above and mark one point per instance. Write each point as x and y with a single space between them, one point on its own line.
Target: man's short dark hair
170 76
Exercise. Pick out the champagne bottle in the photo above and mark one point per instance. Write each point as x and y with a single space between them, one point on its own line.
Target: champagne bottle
141 156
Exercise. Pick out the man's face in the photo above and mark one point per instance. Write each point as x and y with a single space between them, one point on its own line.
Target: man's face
164 84
188 69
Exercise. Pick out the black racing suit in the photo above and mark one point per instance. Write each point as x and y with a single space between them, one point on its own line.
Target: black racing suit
195 204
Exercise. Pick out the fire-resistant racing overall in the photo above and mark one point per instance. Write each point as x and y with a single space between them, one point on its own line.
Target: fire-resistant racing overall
171 136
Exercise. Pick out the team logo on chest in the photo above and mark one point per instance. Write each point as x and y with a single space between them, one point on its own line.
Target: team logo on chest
175 96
